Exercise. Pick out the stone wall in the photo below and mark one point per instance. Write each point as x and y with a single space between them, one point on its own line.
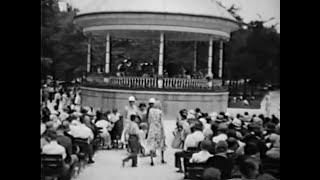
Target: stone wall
172 102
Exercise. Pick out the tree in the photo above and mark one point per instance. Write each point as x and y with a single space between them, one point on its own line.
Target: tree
61 40
253 54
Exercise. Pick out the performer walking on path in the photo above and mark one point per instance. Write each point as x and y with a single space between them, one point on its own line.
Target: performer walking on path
132 131
156 134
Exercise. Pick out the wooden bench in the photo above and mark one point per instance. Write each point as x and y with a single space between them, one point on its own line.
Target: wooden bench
51 166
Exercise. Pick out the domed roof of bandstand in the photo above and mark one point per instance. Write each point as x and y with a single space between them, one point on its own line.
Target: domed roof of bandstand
179 19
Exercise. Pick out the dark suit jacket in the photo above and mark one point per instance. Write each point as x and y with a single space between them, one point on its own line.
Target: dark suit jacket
224 164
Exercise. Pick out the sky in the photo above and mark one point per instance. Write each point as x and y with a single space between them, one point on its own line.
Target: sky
249 9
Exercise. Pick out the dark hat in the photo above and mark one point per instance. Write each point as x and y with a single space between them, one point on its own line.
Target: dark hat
270 126
197 126
221 146
222 126
206 145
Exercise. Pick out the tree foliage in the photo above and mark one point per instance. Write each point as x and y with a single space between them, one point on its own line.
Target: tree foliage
254 53
61 41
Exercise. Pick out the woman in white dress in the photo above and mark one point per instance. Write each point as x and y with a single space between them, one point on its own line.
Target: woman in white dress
129 110
156 135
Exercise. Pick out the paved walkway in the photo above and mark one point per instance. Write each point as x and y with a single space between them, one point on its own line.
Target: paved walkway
107 164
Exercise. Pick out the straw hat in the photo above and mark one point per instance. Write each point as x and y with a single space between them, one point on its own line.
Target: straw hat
152 100
132 99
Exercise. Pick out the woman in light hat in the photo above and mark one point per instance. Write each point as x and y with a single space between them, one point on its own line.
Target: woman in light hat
156 136
129 110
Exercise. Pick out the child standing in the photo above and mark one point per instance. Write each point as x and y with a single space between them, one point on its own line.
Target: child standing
132 132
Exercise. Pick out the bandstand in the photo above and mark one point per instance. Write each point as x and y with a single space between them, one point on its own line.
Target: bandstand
162 20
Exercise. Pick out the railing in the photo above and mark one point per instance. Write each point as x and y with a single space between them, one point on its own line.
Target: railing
153 83
180 83
137 82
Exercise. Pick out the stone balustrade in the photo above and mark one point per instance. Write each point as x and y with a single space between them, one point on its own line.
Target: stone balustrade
153 83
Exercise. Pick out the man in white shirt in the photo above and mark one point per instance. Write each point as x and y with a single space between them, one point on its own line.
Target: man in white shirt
203 155
104 133
80 130
192 141
114 116
195 138
53 148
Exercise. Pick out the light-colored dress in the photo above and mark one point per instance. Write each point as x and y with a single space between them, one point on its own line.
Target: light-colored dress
156 135
128 111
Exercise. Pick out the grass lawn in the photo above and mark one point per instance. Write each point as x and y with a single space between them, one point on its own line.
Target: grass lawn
253 104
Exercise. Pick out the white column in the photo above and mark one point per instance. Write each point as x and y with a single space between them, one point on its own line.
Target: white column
160 66
107 63
195 57
89 55
220 58
210 57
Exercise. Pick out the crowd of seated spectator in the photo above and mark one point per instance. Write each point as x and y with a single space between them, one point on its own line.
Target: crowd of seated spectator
74 132
221 146
215 145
